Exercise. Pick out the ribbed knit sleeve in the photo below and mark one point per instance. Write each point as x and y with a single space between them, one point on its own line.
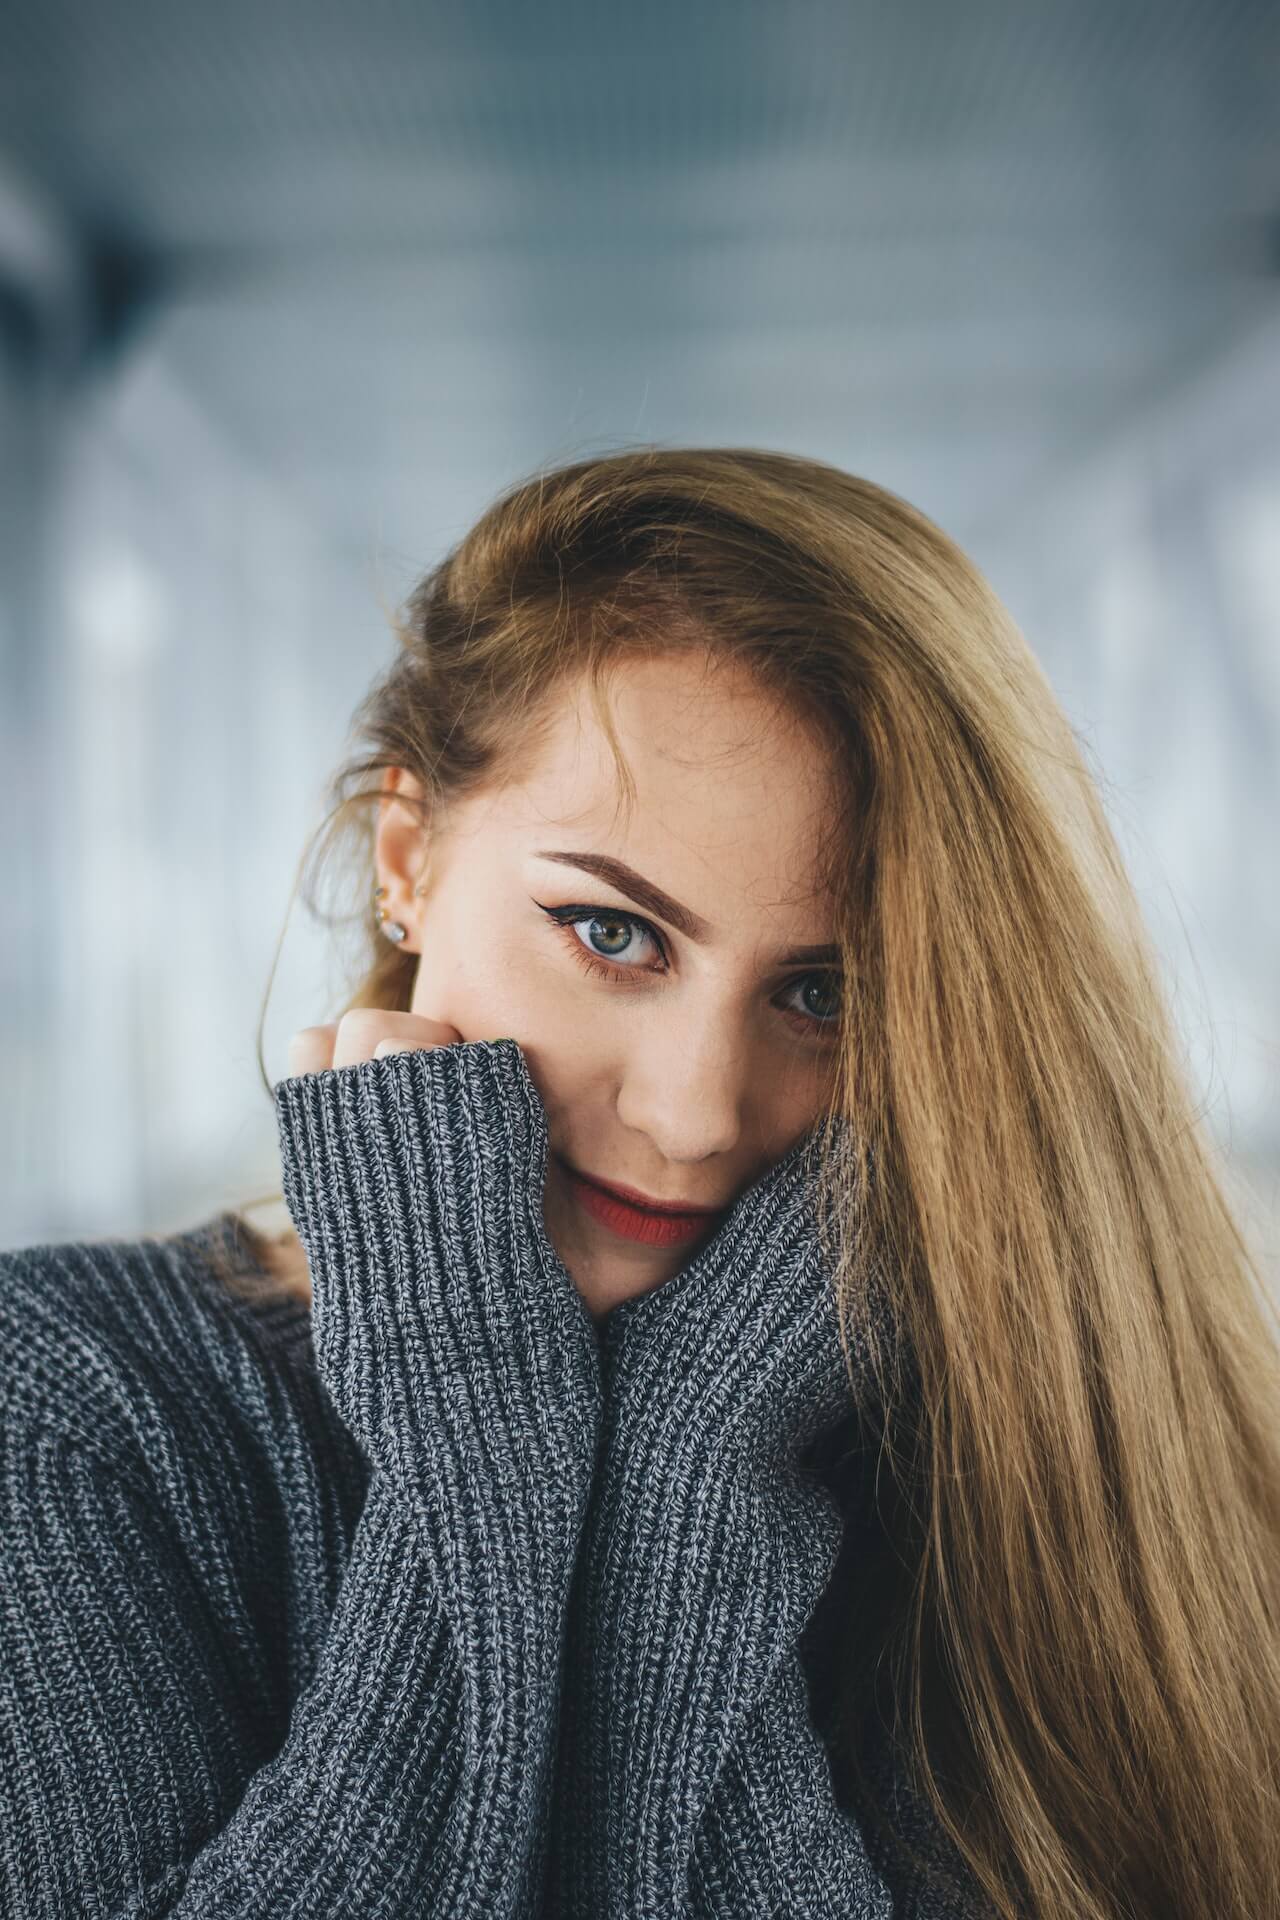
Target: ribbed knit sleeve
693 1780
415 1772
774 1839
459 1354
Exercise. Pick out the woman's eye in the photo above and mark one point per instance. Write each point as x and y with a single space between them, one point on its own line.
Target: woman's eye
826 987
609 942
617 941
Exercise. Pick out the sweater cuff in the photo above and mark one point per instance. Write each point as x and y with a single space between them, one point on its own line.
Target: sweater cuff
447 1332
416 1185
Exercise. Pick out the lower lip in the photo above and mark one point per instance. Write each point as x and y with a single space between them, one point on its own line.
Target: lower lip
633 1223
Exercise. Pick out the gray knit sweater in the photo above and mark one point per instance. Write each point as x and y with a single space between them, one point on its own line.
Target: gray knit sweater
433 1599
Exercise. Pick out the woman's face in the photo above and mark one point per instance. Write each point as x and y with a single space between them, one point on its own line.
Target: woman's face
677 1051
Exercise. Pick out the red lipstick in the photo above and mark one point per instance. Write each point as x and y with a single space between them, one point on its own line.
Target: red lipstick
653 1224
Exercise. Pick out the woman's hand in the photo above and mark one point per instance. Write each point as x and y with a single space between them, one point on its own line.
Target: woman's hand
365 1033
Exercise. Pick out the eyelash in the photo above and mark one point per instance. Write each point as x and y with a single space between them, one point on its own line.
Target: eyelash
567 918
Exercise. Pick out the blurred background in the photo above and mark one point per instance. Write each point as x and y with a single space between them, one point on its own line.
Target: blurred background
288 293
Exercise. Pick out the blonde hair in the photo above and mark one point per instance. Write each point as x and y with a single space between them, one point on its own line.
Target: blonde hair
1083 1644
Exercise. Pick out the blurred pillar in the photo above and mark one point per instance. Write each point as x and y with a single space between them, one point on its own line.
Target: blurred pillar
31 908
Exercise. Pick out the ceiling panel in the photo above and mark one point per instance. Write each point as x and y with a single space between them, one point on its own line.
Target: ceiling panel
976 237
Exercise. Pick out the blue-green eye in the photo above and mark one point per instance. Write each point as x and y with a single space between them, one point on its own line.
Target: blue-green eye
618 940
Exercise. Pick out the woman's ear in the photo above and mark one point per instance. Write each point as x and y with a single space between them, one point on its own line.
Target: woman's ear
400 844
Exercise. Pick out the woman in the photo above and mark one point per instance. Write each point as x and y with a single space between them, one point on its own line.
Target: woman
890 1530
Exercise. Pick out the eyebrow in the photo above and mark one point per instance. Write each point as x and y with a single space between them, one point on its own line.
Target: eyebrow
654 900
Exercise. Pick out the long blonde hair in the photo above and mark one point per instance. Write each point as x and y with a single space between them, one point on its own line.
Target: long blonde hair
1089 1483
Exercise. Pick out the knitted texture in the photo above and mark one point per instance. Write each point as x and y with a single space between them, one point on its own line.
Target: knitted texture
691 1779
431 1599
450 1342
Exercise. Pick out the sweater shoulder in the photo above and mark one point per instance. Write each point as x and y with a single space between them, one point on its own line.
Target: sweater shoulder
142 1348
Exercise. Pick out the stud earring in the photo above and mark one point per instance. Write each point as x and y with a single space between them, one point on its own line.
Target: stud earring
393 929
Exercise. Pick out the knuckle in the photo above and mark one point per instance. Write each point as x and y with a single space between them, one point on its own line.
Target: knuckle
359 1032
309 1049
362 1021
